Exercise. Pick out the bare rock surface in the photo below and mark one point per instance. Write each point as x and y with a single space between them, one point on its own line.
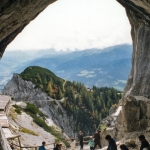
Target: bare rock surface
131 119
22 90
26 121
136 113
138 13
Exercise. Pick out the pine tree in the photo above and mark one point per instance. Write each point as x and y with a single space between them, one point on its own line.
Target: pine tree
49 88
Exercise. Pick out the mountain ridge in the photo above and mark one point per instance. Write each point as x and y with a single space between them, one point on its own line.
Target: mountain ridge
69 65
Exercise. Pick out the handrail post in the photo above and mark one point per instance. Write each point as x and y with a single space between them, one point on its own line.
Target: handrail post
19 143
36 148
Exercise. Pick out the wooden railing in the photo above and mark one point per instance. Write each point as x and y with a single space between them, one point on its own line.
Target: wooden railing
3 141
36 147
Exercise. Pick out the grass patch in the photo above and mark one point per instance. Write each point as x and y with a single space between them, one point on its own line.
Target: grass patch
12 114
102 127
25 130
34 111
18 109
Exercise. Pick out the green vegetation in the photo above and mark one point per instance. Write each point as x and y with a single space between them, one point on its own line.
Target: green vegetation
18 109
12 114
39 119
86 106
44 79
102 127
25 130
34 111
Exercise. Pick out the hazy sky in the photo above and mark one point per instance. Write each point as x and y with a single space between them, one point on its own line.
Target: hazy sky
76 24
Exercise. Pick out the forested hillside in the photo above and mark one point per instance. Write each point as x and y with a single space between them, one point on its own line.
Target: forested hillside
44 79
87 106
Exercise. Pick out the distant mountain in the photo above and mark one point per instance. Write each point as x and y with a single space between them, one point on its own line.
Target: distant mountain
101 67
108 67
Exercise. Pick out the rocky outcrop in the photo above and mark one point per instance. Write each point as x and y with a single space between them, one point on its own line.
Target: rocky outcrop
132 115
15 15
136 113
21 90
131 119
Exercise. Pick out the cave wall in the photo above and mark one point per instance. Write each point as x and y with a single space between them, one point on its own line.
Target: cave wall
138 13
15 15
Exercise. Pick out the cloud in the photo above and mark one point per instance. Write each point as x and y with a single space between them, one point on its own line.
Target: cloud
76 24
87 74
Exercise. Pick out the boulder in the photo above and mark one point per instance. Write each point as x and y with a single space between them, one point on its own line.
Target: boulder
136 113
130 143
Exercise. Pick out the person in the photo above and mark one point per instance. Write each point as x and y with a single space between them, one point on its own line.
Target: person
91 144
60 146
123 147
111 143
43 146
12 146
144 143
97 139
56 147
80 137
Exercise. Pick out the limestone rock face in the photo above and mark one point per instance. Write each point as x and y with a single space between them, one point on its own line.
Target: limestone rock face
138 13
136 113
134 117
15 15
22 90
129 121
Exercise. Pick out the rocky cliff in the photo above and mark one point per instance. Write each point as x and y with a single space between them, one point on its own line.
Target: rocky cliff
22 90
135 109
138 13
129 121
